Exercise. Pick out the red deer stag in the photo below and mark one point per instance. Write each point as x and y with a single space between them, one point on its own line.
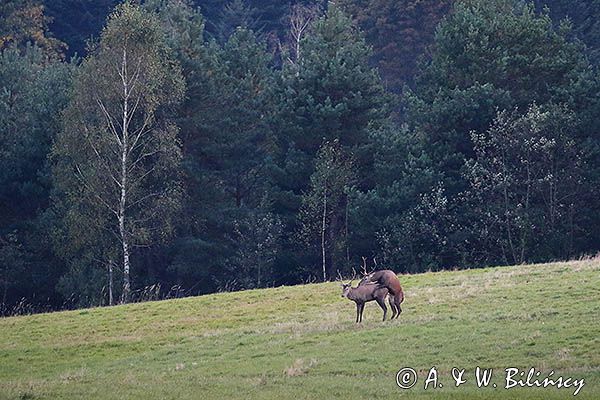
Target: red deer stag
384 278
365 293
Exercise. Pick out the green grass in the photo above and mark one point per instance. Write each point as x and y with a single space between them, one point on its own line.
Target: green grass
301 342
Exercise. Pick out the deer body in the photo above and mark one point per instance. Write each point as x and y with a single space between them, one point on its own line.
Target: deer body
365 293
389 280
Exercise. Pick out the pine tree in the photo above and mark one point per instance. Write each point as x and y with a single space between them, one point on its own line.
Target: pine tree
236 14
487 56
230 153
331 94
511 58
225 136
583 15
400 32
34 93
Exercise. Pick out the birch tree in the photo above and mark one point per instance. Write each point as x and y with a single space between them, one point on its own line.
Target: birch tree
324 211
300 21
119 152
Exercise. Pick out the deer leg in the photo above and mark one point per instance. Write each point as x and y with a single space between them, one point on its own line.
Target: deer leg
381 302
357 311
393 307
398 300
362 309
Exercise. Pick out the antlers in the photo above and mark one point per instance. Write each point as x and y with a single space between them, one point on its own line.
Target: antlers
364 270
341 280
364 267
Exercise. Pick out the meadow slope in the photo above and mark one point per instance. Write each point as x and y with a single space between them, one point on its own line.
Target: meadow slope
301 342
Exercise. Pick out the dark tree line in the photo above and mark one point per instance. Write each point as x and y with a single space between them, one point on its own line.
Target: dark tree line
251 143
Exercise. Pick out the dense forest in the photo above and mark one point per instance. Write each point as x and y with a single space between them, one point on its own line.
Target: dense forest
165 148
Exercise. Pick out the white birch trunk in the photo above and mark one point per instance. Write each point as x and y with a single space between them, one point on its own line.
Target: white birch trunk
323 226
124 182
111 300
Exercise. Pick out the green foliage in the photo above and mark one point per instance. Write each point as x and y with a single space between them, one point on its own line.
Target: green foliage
330 94
333 92
529 184
11 266
226 141
583 15
24 23
84 283
116 164
236 145
33 93
400 32
405 216
258 236
236 14
230 149
183 25
488 56
248 128
507 45
324 212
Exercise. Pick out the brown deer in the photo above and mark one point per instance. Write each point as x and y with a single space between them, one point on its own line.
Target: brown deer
384 279
365 293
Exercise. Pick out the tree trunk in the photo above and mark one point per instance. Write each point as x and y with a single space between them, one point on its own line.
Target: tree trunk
298 40
507 209
258 278
323 226
346 231
125 246
111 300
334 233
4 294
124 182
525 235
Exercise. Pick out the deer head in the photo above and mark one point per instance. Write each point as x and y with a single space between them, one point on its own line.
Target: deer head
346 287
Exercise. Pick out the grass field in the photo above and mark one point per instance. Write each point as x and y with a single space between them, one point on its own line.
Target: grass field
301 342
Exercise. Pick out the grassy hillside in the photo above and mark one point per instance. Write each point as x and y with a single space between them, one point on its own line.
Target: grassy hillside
301 342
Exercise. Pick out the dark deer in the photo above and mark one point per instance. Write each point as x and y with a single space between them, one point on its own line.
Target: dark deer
384 279
365 293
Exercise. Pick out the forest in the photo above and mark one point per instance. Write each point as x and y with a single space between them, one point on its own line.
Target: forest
168 148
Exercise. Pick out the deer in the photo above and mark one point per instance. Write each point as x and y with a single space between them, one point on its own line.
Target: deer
365 293
384 279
